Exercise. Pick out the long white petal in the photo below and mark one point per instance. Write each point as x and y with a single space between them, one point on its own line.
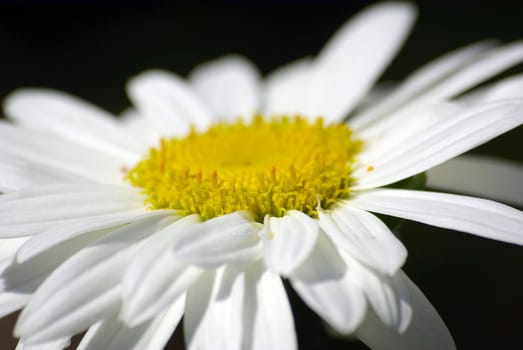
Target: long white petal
355 57
269 324
284 88
55 152
64 232
230 85
75 204
19 280
472 215
73 119
420 80
327 287
364 237
483 176
71 298
17 174
114 334
154 277
388 295
140 127
52 345
230 238
490 64
505 89
168 101
288 241
426 330
213 311
444 140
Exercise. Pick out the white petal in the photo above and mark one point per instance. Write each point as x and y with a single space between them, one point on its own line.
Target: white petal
284 88
19 280
477 175
268 323
113 334
80 202
488 65
444 140
507 88
168 102
154 277
9 248
52 345
420 80
472 215
391 143
62 233
230 86
355 57
328 288
213 311
426 331
57 153
389 296
73 119
16 174
140 127
230 239
72 297
288 241
365 237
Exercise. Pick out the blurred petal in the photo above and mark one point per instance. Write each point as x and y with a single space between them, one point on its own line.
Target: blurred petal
472 215
230 86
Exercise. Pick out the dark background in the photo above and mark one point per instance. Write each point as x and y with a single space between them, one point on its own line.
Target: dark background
90 50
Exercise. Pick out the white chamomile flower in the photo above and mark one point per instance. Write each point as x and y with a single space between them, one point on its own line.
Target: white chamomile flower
213 189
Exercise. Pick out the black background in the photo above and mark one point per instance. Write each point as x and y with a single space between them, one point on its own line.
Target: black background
90 50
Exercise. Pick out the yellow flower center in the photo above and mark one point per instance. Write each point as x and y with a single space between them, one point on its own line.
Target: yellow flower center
266 167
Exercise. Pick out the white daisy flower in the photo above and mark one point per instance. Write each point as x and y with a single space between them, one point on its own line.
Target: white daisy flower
215 188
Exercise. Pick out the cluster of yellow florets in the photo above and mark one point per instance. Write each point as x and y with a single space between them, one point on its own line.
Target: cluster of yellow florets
266 167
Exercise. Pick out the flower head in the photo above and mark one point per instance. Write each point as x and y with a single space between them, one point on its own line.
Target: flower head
215 188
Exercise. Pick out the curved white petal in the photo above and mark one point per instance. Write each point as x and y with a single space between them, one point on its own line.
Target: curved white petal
507 88
54 152
268 323
73 119
65 232
354 58
388 295
472 215
17 174
140 127
328 287
426 330
230 238
365 237
21 209
418 82
113 334
488 65
288 241
168 101
52 345
154 278
214 311
19 280
230 86
477 175
444 140
72 297
284 88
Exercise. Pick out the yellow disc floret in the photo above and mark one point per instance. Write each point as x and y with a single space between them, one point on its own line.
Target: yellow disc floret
266 167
